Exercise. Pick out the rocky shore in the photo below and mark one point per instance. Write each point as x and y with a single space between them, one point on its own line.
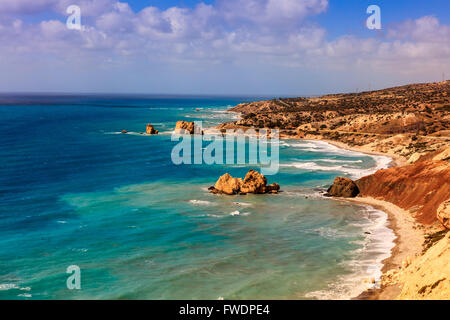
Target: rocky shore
411 124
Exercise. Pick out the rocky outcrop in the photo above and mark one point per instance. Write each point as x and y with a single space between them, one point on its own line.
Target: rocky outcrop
420 187
227 185
149 129
443 155
343 187
443 213
254 182
272 188
186 127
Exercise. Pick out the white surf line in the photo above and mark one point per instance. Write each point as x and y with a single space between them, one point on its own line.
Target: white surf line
318 146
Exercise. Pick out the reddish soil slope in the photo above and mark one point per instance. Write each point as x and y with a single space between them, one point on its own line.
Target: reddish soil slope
419 187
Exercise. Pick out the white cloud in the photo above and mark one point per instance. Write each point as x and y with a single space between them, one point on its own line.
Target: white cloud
275 12
231 32
426 29
25 6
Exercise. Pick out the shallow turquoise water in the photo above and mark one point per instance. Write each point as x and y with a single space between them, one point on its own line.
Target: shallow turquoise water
75 192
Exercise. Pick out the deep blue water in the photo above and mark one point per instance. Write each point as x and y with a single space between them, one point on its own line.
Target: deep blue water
74 191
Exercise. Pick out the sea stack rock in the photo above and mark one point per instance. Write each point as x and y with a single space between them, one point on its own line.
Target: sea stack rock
186 127
150 129
254 182
443 213
227 185
343 187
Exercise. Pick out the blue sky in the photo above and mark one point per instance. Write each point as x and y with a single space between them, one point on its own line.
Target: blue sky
270 47
345 16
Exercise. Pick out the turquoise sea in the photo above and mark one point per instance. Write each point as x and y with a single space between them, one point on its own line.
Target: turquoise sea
75 191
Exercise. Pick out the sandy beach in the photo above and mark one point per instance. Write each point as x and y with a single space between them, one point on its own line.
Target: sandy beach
396 160
408 243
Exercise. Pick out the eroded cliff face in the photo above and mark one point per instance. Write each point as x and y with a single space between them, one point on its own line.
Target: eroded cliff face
420 187
426 277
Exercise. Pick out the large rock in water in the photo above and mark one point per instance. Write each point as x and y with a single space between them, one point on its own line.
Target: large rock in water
186 127
228 185
343 187
443 213
254 182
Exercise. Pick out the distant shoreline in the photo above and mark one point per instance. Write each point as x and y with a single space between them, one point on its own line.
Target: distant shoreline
396 160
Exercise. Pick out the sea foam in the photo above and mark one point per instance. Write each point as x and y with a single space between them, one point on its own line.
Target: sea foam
381 162
202 202
367 261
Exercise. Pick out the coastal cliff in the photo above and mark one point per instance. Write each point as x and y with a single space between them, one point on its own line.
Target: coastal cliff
425 278
407 122
410 124
420 188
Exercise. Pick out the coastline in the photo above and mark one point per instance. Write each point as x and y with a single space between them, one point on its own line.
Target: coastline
411 142
397 161
408 243
409 238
